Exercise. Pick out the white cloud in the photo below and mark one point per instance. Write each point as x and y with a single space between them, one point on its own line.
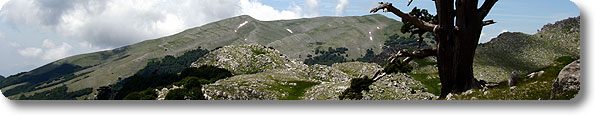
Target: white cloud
48 44
14 44
49 50
30 52
267 13
54 51
114 23
340 8
312 8
2 2
85 44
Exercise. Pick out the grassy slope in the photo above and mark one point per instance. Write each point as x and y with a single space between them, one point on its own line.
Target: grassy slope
538 88
107 67
524 53
495 60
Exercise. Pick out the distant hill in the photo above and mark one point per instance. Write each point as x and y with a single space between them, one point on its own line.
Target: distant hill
295 38
523 53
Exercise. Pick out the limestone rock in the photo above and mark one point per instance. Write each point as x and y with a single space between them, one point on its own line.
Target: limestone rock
568 81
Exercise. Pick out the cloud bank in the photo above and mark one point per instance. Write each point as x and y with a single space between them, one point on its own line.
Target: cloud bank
49 51
114 23
340 8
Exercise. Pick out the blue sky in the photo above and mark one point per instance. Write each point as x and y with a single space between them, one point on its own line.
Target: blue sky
37 32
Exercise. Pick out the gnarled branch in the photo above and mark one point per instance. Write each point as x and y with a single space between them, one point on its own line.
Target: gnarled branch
488 22
415 54
409 56
486 7
388 7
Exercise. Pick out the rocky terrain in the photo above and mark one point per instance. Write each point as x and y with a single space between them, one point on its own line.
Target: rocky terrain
266 59
282 78
524 53
294 38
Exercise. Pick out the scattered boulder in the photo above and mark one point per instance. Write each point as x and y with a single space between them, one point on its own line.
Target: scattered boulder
568 81
512 88
513 79
535 74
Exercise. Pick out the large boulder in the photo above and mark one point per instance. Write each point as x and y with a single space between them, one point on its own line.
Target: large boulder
568 82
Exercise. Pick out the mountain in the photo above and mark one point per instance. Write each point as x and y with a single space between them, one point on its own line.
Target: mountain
524 53
286 59
295 38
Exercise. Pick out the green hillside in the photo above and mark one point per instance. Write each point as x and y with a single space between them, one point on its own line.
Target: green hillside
310 58
295 38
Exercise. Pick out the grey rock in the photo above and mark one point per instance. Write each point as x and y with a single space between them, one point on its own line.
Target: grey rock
568 80
513 79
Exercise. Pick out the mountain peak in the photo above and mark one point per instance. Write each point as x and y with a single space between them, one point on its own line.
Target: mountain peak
246 17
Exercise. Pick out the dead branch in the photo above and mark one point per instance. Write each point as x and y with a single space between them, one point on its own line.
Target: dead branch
415 54
488 22
388 7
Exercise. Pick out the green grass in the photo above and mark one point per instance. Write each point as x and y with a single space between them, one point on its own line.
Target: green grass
258 52
424 62
538 88
294 92
430 85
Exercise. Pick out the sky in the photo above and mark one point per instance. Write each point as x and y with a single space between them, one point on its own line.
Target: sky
37 32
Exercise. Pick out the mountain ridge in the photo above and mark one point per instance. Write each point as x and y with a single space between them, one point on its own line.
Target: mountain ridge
107 67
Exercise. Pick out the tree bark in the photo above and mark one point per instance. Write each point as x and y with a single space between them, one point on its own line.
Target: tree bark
446 46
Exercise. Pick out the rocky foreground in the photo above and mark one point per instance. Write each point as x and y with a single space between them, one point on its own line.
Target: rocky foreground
262 73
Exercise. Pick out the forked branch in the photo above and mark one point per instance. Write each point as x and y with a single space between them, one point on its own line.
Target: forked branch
388 7
408 57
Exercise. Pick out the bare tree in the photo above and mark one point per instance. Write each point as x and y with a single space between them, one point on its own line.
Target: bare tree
457 27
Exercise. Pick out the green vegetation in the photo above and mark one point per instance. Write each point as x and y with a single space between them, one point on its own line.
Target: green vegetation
424 62
191 90
159 73
368 57
171 64
329 57
258 52
294 92
148 94
355 89
400 40
59 93
429 81
537 88
33 79
409 27
203 74
397 67
192 85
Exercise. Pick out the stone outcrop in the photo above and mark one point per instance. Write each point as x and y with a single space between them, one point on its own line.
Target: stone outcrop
568 81
262 73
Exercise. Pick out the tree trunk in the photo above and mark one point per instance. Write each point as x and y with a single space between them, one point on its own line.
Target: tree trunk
457 40
456 46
